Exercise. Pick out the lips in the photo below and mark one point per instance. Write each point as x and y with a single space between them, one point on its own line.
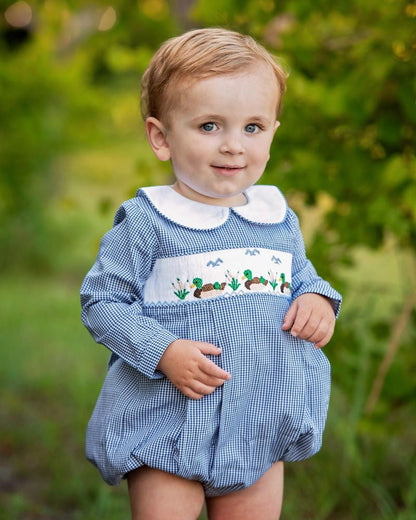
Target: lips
227 170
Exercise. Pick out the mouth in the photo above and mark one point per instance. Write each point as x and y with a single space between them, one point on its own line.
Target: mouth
227 170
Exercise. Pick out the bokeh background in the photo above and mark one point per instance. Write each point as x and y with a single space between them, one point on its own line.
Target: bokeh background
72 148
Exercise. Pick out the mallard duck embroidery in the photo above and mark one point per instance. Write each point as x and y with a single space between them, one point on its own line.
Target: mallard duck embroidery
208 290
285 287
258 283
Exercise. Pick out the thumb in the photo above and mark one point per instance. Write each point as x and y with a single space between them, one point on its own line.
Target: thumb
290 316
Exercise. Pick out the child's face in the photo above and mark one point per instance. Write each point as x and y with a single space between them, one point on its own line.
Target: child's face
218 134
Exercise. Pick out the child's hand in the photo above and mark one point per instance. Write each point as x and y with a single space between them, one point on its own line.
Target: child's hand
311 317
185 364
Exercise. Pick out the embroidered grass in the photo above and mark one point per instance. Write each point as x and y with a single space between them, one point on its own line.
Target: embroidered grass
232 280
273 280
180 289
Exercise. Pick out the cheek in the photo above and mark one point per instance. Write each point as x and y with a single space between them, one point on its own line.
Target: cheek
196 151
194 155
187 159
261 153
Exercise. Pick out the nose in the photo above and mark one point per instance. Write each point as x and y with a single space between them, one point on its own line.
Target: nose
232 144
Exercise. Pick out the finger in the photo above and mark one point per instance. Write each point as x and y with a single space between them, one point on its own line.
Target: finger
209 368
302 317
325 339
201 388
313 330
194 387
211 381
190 393
326 327
197 390
208 348
290 316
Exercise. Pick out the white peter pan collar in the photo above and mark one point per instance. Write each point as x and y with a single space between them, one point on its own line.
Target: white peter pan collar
265 205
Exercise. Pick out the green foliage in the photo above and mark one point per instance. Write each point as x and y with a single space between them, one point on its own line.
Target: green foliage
56 77
43 104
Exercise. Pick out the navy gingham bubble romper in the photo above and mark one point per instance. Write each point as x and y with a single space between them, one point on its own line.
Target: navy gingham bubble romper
174 268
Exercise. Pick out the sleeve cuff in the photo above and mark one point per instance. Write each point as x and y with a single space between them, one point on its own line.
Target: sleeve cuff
153 352
324 289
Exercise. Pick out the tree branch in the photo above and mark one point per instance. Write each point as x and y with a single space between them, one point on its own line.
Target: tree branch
391 352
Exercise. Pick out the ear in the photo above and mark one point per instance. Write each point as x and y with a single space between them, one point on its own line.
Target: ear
276 125
156 135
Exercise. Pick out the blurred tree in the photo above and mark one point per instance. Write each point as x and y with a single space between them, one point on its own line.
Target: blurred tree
58 61
41 98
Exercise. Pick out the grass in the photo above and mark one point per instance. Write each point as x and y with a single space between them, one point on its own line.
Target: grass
50 375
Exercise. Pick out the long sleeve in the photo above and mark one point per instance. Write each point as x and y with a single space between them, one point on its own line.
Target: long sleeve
304 276
111 294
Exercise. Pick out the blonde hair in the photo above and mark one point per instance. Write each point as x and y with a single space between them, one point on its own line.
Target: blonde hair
197 54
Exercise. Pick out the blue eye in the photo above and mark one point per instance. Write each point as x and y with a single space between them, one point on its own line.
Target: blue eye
252 128
209 127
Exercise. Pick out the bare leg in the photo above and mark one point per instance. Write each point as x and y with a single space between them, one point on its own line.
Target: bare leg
262 500
156 495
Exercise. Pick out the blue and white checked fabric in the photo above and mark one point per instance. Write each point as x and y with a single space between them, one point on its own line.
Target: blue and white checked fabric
275 405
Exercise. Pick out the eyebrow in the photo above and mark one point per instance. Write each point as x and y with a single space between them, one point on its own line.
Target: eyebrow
261 119
207 117
216 117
